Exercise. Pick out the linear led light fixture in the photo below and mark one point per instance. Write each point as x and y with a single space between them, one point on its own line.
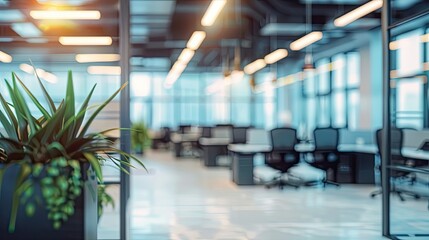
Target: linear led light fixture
305 41
104 70
186 55
276 56
424 38
86 58
196 39
66 15
254 66
85 40
4 57
212 12
357 13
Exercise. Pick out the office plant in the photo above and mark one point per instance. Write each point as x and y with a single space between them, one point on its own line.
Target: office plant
140 138
50 164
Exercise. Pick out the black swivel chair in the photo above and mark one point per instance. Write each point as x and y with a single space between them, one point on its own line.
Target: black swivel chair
396 158
163 139
283 155
325 154
239 135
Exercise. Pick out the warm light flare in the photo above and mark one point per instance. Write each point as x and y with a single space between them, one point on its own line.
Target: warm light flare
66 15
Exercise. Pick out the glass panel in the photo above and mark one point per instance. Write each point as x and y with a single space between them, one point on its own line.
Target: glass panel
353 66
353 109
339 74
323 70
324 112
409 103
339 105
409 53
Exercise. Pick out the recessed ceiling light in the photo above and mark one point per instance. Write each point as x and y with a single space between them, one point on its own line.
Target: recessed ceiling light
66 15
4 57
85 40
84 58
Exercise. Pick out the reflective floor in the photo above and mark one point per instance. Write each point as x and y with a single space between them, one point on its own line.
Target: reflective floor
181 199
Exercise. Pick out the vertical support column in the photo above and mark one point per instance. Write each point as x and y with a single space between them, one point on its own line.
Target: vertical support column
385 147
124 46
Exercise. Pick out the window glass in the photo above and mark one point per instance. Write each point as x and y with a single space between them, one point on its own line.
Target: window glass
353 67
338 67
323 81
339 108
409 103
353 109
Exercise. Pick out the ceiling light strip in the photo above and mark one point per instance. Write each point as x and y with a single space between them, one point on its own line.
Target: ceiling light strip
85 40
212 12
254 66
196 39
357 13
276 56
306 41
85 58
66 15
4 57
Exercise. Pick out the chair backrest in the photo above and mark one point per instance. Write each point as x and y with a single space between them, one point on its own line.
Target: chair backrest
184 128
166 134
326 139
396 141
239 135
283 139
221 132
258 136
206 132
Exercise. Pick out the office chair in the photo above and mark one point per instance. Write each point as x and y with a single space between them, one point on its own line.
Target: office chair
163 139
325 154
239 135
396 158
283 155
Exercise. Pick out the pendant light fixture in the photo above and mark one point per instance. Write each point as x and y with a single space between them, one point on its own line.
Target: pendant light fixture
308 60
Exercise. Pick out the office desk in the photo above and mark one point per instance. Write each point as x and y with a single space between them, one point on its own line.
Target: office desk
360 168
179 138
242 161
415 154
212 148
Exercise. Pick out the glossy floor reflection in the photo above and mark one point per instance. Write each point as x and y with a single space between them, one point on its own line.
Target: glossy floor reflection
181 199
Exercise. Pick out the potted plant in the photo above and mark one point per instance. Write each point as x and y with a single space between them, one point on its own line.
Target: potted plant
140 138
50 165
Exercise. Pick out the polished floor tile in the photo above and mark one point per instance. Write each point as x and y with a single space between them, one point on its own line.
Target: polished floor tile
182 199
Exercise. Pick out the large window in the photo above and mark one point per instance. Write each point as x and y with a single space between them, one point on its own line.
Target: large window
331 93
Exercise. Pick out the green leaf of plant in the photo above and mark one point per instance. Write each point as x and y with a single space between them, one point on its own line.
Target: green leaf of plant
94 114
33 98
45 93
9 112
95 165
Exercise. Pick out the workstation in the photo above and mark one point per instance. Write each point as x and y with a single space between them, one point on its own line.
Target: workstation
248 119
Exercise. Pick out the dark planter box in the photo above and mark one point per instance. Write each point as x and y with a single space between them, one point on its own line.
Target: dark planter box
82 225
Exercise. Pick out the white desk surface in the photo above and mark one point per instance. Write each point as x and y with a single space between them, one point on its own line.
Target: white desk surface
214 141
181 137
359 148
249 148
415 153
